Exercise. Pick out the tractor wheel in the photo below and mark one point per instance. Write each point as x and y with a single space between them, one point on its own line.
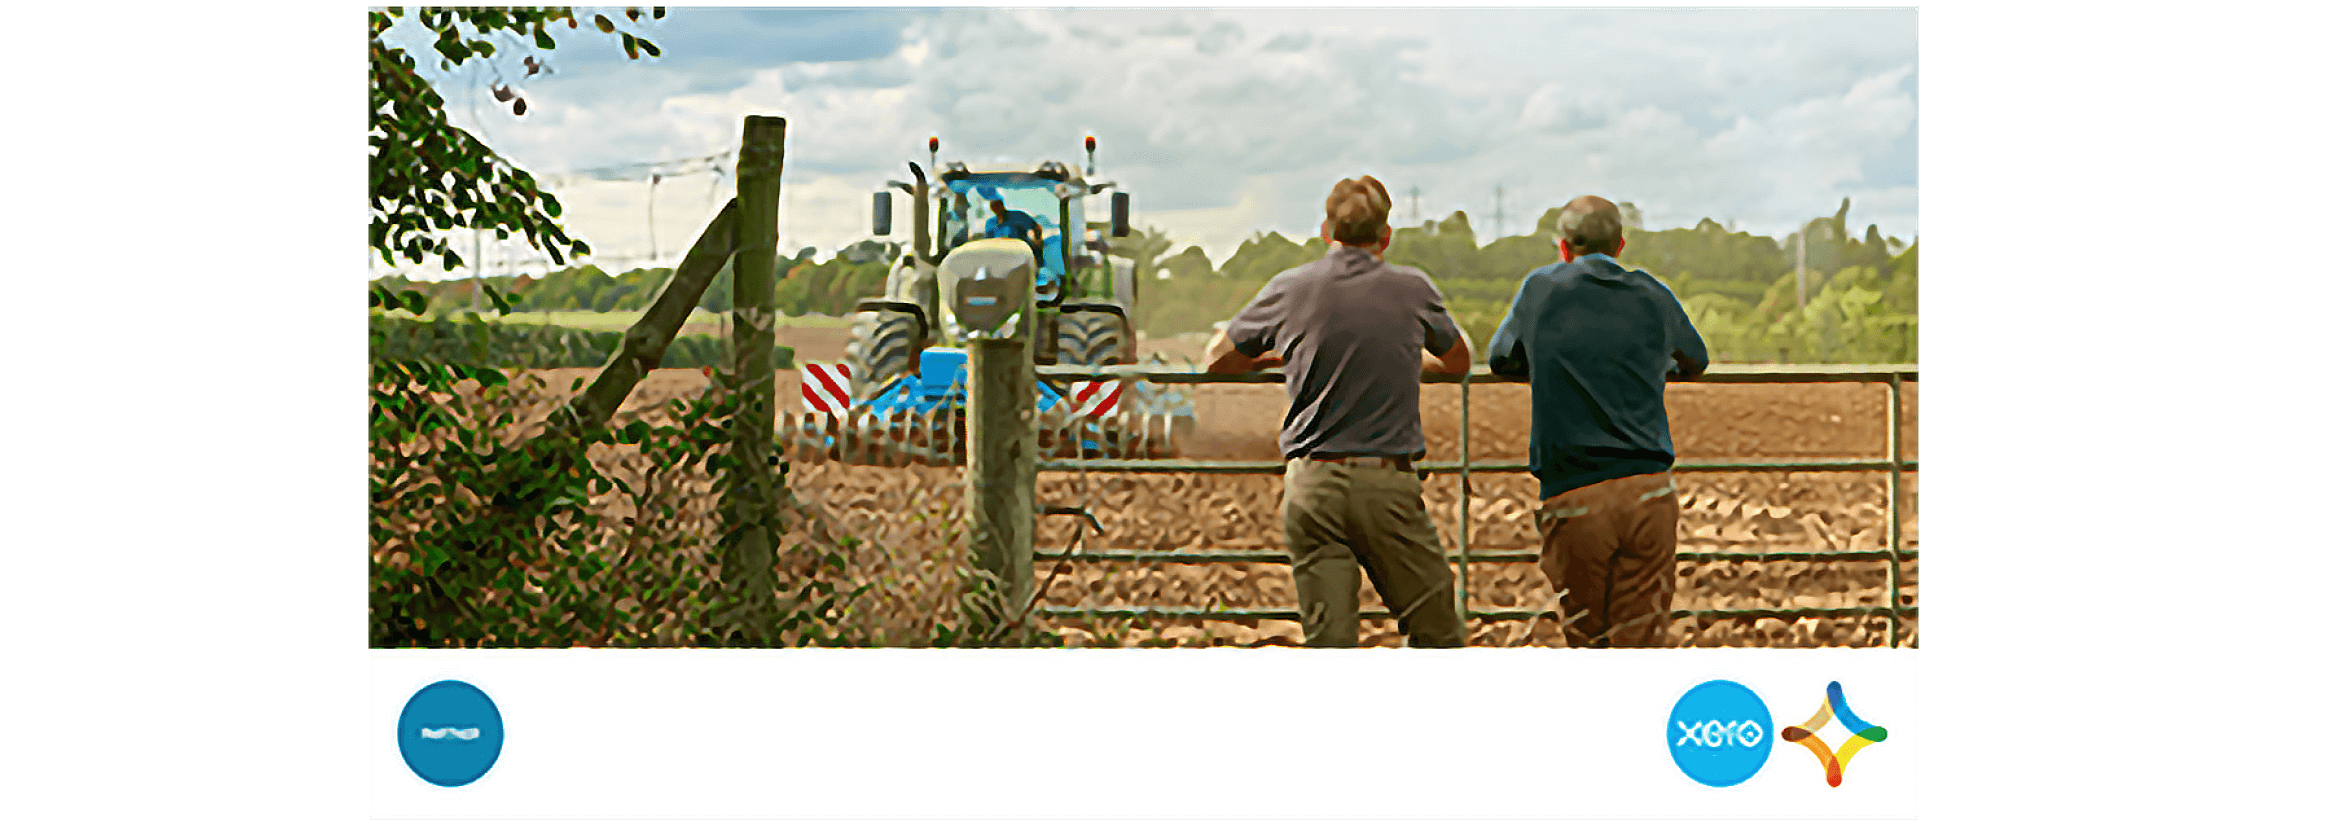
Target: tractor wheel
881 348
1092 339
1089 338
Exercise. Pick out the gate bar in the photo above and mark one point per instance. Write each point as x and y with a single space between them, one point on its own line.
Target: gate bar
1893 512
1716 374
1516 466
1209 556
1461 587
1381 613
1893 466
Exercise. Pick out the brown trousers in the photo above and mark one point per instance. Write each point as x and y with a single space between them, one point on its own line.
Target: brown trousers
1608 548
1334 516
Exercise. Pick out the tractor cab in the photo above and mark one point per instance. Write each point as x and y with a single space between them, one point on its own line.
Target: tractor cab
970 212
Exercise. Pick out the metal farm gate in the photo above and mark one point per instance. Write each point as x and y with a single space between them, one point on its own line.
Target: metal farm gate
1892 465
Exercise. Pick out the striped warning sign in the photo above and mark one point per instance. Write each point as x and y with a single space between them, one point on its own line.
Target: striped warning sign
1094 398
825 387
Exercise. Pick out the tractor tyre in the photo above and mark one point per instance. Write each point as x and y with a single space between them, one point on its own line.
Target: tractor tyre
881 348
1092 338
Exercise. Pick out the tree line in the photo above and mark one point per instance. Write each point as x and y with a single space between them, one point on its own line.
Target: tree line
1858 300
803 285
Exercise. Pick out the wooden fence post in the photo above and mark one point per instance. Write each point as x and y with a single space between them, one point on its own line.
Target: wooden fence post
999 484
747 569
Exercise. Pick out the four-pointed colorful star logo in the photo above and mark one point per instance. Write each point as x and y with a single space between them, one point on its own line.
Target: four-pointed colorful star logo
1806 734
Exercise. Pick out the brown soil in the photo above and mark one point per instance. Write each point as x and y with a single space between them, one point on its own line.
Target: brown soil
899 513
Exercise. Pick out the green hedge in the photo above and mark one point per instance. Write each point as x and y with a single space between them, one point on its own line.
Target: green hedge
471 339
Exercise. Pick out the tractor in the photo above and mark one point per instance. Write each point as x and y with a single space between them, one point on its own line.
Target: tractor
898 397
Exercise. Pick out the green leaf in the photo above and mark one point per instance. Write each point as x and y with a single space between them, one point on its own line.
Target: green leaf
603 24
649 48
545 41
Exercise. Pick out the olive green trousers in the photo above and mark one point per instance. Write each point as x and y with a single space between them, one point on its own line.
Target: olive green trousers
1339 522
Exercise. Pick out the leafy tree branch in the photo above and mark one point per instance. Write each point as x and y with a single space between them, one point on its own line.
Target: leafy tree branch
426 176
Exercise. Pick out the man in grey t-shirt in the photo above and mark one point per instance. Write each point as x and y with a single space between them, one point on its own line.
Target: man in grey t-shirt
1354 332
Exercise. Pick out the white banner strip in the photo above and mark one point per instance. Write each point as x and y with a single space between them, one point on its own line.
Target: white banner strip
1200 734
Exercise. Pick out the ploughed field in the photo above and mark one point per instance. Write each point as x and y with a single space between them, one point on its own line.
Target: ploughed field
904 517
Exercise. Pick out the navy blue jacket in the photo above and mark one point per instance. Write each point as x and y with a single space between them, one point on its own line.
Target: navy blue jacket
1596 341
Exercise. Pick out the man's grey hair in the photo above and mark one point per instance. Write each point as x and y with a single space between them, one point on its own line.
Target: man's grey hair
1590 223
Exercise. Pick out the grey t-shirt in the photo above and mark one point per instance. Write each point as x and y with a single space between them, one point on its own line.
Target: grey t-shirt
1349 328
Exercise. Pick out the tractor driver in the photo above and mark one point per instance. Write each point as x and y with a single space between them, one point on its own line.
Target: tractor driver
1011 223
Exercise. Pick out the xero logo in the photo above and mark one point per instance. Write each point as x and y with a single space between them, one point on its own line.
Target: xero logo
1716 733
1807 734
1719 733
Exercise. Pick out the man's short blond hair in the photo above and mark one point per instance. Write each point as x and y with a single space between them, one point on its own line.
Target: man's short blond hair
1356 211
1590 223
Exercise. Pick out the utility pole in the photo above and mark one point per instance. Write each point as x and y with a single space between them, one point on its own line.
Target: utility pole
651 191
1801 236
1802 269
1496 212
505 260
1415 204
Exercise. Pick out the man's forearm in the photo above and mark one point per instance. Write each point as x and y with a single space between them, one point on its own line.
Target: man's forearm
1454 361
1685 368
1225 359
1507 364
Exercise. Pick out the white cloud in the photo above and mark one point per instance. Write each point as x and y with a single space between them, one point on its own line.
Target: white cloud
1219 231
1226 122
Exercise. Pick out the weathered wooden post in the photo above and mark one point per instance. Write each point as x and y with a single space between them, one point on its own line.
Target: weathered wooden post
998 303
748 567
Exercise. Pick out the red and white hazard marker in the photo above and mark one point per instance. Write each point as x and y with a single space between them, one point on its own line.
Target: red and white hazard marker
1094 398
825 388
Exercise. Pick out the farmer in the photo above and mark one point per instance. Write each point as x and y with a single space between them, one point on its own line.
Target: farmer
1351 328
1011 223
1599 342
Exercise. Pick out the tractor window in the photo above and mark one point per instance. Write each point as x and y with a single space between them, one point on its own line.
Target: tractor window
1034 198
967 217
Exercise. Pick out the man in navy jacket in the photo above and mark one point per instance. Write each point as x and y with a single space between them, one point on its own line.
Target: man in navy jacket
1598 342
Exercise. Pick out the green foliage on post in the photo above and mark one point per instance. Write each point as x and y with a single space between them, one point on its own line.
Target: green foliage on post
484 536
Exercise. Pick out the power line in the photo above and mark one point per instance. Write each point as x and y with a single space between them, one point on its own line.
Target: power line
716 163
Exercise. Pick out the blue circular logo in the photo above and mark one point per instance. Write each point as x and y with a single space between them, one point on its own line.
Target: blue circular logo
1719 733
450 733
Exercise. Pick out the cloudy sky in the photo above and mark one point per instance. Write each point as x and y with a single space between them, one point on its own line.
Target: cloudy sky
1226 122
